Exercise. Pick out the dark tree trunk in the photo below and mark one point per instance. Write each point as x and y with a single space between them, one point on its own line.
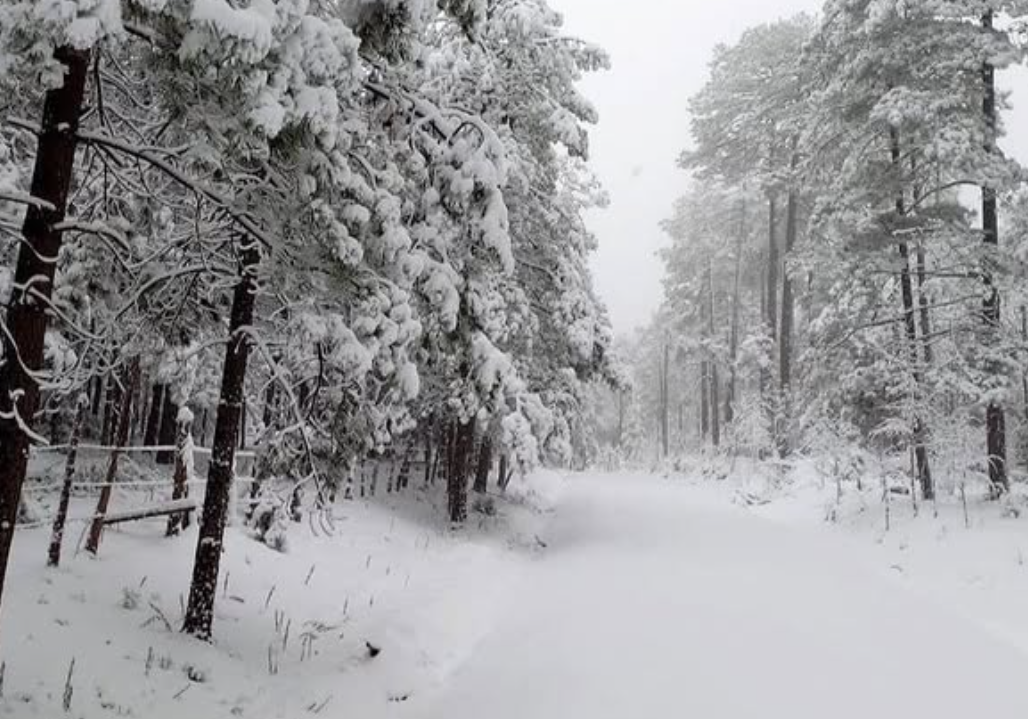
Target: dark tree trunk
153 417
403 479
428 454
665 400
457 481
178 521
242 424
485 463
995 420
168 431
27 308
733 348
502 473
704 400
922 466
715 407
96 395
112 400
57 535
924 302
787 322
124 424
206 565
770 302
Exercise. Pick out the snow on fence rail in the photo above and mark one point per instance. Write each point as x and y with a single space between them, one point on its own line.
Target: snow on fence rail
147 511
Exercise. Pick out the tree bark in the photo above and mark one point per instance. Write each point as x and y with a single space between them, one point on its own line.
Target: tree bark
713 380
733 348
704 400
57 534
124 424
665 400
786 331
995 419
770 302
457 481
920 432
26 318
206 565
178 521
502 473
168 428
153 418
485 463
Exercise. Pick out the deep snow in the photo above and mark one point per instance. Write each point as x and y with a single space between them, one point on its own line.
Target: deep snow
636 597
661 599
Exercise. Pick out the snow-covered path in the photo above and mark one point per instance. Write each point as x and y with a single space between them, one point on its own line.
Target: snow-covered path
661 600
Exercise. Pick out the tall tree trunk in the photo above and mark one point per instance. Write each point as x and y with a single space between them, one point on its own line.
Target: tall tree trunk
733 347
27 318
1024 375
180 520
457 481
206 565
112 400
704 400
770 302
785 338
153 417
995 419
665 405
502 473
124 424
924 302
485 463
920 432
713 382
168 428
57 534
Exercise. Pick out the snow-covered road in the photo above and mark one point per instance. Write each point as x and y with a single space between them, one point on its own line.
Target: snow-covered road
660 600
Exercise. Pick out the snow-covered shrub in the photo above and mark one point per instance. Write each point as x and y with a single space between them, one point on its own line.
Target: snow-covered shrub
270 522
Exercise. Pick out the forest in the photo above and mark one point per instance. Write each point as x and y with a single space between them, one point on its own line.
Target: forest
301 324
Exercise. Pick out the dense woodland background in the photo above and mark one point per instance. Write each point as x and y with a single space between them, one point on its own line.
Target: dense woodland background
846 271
321 237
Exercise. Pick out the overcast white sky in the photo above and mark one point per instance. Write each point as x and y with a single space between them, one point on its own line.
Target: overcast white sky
660 50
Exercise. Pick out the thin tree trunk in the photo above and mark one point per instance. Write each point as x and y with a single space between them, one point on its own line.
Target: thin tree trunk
457 481
665 407
712 379
485 463
771 318
168 429
786 332
112 400
178 521
57 535
1024 375
733 347
995 421
206 565
704 400
503 473
924 301
920 432
124 424
27 318
153 418
428 454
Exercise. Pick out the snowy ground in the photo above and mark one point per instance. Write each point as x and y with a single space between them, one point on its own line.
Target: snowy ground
637 596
